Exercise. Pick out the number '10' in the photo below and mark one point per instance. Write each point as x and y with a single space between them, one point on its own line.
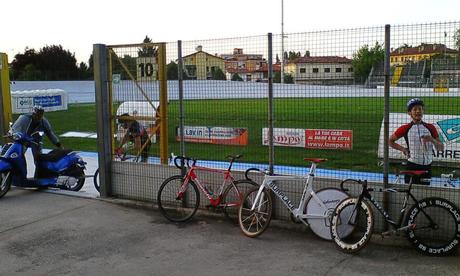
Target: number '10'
146 69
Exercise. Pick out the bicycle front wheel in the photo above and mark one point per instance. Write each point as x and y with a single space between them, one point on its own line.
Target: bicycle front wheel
255 222
176 203
233 196
349 215
434 226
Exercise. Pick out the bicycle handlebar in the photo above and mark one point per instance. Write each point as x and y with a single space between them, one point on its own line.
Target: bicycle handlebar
362 183
186 161
256 170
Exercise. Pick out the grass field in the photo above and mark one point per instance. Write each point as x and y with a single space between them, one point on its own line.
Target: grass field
361 115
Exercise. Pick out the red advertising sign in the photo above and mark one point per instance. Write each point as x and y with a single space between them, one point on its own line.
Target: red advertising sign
329 139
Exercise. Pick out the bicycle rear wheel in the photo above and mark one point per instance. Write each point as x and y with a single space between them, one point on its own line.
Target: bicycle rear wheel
96 181
255 222
359 217
330 197
436 230
233 196
178 206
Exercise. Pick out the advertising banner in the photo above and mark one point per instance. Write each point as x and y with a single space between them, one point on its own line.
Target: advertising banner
285 137
448 127
337 139
329 139
214 135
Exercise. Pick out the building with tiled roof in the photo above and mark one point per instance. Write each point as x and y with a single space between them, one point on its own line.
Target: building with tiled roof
200 65
405 54
247 66
328 70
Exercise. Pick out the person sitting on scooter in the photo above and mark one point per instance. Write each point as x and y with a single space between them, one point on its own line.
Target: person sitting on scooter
33 123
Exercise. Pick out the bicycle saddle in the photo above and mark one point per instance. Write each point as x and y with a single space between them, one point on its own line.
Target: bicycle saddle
413 172
315 160
234 157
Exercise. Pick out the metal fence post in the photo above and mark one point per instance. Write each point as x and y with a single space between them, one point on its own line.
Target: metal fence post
103 118
162 76
271 149
181 102
386 129
5 95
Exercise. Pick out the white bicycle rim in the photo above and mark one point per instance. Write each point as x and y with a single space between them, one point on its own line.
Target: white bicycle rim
330 197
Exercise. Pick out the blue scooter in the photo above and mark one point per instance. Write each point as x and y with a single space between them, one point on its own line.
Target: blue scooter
59 168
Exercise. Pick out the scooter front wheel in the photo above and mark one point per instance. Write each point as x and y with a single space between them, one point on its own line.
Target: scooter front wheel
5 183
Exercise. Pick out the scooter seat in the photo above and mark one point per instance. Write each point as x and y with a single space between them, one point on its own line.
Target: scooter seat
54 155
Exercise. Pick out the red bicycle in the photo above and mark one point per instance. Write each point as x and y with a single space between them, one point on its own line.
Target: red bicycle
179 197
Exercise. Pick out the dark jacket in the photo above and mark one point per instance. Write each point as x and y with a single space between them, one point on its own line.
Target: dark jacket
24 124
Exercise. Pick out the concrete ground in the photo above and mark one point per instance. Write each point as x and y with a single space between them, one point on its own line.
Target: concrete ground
54 234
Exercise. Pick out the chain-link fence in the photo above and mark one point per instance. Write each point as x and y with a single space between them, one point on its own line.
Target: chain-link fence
331 93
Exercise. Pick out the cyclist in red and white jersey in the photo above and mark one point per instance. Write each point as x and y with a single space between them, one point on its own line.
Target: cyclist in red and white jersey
420 138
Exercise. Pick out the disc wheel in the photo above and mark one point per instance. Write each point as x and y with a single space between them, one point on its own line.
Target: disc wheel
255 222
358 216
177 205
436 226
233 196
319 215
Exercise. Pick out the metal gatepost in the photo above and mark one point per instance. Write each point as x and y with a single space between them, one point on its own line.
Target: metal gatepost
5 99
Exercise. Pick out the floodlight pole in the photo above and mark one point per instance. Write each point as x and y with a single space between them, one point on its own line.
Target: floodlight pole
282 41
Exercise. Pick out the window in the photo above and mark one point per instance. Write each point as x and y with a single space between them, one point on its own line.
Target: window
303 70
327 70
338 70
350 69
315 70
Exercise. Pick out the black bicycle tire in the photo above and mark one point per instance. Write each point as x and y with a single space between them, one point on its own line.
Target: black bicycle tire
352 248
96 180
228 215
417 241
163 208
269 212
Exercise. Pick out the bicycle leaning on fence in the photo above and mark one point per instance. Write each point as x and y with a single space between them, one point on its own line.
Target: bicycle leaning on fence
314 210
179 197
432 224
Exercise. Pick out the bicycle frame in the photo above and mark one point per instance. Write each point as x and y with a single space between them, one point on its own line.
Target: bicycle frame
269 183
191 175
365 194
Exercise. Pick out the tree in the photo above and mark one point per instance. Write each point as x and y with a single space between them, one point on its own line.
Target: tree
172 71
364 59
217 74
236 77
147 51
457 39
288 78
50 63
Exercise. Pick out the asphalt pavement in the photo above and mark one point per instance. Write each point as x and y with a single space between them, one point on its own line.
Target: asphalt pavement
44 233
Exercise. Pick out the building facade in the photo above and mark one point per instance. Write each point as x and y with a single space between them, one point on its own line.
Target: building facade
324 70
405 54
201 65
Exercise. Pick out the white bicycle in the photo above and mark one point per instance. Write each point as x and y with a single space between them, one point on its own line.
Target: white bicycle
315 208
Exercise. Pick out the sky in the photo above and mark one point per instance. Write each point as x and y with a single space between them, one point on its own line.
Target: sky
77 25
